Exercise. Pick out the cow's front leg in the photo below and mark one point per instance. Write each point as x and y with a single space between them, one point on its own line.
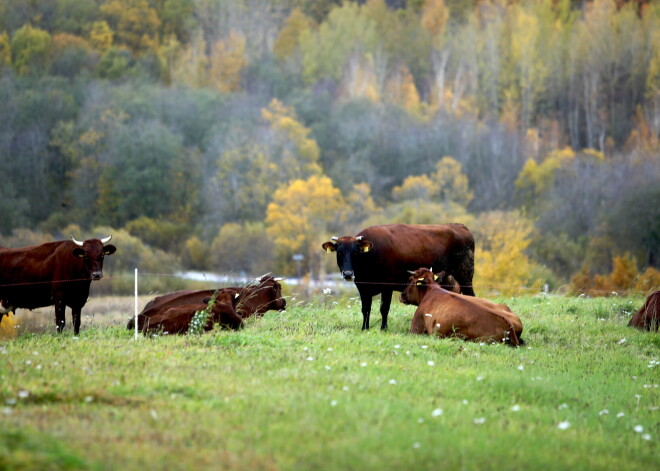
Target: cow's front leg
60 307
385 301
366 309
75 314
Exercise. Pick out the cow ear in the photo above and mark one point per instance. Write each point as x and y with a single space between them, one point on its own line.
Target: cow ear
329 246
78 252
109 249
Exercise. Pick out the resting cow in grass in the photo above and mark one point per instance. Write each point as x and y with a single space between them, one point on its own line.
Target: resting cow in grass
648 316
263 295
446 314
379 257
176 320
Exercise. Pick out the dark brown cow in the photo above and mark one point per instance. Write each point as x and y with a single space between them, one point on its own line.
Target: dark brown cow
378 259
176 320
254 299
648 316
54 273
446 314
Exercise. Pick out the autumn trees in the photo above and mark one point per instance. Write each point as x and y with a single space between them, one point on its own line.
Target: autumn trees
206 120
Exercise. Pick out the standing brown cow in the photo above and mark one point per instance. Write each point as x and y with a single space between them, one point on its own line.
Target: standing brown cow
255 299
379 257
54 273
448 314
648 316
176 320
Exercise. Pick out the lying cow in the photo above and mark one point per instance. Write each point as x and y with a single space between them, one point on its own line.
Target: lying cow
54 273
255 299
378 258
648 316
448 314
176 320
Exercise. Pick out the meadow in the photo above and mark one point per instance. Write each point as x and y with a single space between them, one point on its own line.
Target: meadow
306 389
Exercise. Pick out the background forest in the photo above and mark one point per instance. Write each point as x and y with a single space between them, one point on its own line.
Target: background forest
230 135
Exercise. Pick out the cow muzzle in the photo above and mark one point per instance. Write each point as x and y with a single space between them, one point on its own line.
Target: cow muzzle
97 275
348 275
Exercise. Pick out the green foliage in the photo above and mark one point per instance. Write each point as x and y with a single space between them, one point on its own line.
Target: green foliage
159 233
242 248
30 49
201 318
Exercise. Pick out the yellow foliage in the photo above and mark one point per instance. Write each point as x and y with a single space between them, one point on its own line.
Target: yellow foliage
227 62
8 326
300 153
435 15
135 23
401 90
5 49
101 36
540 177
300 214
414 187
648 281
289 38
501 264
63 41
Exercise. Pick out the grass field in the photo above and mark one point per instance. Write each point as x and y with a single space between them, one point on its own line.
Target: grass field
305 389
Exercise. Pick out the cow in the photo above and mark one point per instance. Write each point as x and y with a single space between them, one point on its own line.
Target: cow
446 314
177 319
263 295
378 259
52 274
648 316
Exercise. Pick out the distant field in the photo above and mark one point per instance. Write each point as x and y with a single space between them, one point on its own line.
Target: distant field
306 389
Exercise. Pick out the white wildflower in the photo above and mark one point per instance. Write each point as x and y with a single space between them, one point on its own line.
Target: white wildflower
638 428
436 412
515 408
563 425
479 420
646 436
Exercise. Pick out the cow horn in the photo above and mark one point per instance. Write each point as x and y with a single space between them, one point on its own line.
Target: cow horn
334 238
359 238
106 240
411 272
77 242
279 278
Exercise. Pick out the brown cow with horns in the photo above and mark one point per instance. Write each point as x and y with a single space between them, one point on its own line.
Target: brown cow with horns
55 273
448 314
378 259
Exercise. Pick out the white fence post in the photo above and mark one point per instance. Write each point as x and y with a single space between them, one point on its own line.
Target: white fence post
136 304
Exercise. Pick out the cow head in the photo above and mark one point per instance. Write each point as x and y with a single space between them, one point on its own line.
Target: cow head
347 248
92 252
418 284
267 292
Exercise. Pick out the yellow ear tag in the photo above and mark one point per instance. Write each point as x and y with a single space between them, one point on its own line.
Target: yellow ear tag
435 277
365 249
328 250
419 283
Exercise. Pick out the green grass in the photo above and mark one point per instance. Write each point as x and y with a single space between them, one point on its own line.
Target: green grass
306 389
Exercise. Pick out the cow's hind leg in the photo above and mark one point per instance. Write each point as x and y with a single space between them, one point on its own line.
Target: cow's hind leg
385 301
60 321
366 309
462 270
75 314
